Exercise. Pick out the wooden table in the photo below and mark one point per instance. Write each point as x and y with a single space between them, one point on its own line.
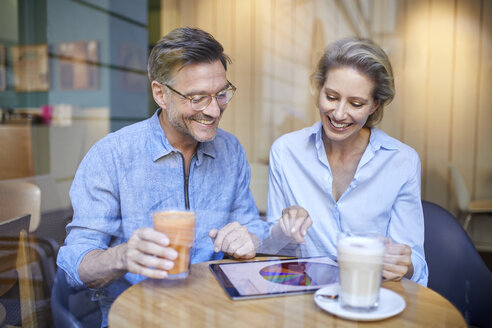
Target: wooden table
199 301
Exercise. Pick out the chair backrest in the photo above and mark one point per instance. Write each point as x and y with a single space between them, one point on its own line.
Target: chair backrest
72 307
462 195
16 255
18 198
456 270
16 151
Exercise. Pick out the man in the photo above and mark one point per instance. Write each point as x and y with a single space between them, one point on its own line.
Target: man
176 159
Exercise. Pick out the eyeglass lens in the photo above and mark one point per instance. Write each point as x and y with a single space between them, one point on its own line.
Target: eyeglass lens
200 102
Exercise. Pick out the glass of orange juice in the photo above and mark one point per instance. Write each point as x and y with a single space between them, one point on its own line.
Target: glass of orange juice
179 227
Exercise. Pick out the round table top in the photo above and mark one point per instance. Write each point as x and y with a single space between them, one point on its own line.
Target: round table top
199 301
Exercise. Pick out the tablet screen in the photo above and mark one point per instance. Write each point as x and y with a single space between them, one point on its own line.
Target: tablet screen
245 280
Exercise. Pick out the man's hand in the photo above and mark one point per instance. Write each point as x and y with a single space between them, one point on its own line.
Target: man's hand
147 253
397 261
235 240
295 222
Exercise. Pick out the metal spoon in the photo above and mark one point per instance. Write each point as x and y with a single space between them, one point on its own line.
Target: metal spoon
327 297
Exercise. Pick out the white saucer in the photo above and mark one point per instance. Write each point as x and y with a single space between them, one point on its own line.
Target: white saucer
390 304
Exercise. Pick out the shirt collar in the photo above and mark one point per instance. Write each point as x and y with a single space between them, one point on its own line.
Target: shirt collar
206 148
160 146
379 139
316 131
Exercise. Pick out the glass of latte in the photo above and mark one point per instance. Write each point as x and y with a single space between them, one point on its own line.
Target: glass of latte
360 264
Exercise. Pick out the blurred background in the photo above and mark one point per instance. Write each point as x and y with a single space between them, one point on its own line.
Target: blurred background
72 71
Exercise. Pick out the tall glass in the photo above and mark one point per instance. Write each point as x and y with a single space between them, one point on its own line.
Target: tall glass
179 227
360 264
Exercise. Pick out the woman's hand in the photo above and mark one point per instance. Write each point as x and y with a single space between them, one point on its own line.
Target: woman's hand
295 222
397 261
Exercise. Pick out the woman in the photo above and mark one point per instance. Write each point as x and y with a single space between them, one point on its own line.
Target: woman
342 173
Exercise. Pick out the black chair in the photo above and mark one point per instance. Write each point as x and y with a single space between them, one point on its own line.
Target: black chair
72 307
456 270
23 280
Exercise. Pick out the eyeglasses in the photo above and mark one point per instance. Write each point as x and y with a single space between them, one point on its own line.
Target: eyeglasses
200 102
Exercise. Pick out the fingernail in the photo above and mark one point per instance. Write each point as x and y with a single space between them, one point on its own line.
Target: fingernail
216 250
293 230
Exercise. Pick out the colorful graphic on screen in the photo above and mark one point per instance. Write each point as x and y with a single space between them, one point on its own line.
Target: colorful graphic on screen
300 273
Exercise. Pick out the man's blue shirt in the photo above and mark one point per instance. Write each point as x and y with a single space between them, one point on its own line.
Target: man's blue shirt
133 172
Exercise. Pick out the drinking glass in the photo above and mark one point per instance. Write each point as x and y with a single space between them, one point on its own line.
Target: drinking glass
360 264
179 227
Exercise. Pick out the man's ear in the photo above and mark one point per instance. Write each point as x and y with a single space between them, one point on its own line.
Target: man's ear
160 95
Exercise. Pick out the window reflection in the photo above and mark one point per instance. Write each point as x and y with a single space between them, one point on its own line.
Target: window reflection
65 82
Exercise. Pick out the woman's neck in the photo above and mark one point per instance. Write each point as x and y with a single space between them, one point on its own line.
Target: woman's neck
347 148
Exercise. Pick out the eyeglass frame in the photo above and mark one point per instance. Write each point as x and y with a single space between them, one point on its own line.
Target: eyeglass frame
190 98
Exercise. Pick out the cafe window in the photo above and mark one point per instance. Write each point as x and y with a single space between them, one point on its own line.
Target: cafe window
71 71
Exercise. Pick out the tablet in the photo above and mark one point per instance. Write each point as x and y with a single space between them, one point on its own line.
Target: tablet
247 280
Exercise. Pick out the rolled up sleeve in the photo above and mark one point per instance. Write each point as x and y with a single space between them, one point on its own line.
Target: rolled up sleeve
96 220
407 224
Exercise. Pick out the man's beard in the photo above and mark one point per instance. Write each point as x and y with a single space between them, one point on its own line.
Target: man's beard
178 122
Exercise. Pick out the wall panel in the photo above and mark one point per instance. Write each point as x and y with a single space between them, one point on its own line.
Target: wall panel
224 18
415 75
464 95
189 13
483 169
170 16
264 81
389 35
438 103
243 54
282 72
205 15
